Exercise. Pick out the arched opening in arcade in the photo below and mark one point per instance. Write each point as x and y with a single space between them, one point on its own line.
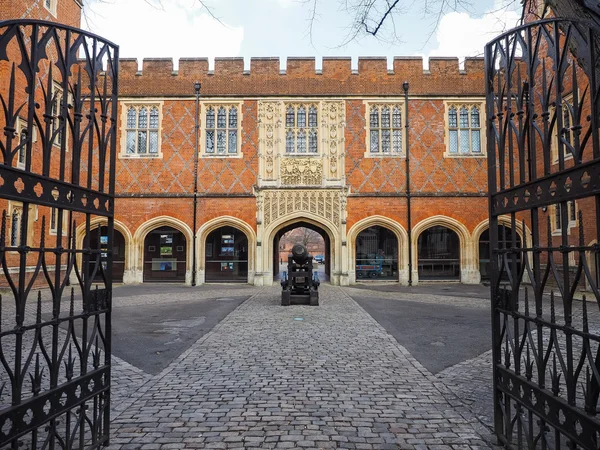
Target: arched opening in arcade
376 254
310 235
505 240
165 255
226 256
438 252
99 239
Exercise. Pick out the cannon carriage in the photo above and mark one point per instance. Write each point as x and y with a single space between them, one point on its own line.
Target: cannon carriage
300 285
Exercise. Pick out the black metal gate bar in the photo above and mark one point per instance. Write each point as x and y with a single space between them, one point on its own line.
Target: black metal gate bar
58 112
543 143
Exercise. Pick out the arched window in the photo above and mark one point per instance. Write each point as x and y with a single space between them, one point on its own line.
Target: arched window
464 130
439 254
376 254
298 128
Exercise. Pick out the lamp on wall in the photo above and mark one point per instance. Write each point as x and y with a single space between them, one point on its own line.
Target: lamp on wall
544 208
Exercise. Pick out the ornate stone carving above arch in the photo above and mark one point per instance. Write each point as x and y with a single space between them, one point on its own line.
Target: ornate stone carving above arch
328 204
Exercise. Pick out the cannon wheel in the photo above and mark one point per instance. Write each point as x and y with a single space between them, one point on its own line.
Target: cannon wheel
359 274
373 274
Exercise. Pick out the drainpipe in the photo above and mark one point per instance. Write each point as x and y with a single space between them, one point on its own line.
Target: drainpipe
405 86
197 86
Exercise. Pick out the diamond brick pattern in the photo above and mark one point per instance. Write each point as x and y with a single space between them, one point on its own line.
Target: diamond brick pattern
368 174
430 171
174 173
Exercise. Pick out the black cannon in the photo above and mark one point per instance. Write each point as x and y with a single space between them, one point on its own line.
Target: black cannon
300 284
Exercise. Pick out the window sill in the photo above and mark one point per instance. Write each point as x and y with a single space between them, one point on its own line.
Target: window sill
384 155
152 156
222 155
301 155
464 155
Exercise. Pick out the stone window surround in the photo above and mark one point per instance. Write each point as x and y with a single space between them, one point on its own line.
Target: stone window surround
125 104
22 124
53 230
56 105
215 104
556 231
568 98
17 207
373 102
470 102
52 8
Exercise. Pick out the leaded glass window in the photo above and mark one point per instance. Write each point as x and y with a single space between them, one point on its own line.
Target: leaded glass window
566 132
571 216
15 227
385 129
57 123
464 130
221 135
301 135
142 130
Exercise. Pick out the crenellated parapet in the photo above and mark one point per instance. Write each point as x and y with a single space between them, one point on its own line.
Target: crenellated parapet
266 76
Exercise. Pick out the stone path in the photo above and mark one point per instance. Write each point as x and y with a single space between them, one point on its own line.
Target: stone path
296 377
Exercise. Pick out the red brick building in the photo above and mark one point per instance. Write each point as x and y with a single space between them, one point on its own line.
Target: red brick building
395 180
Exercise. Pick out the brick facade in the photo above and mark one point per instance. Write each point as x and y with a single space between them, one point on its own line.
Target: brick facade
342 190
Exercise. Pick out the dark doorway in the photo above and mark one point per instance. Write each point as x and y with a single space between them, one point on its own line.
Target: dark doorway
318 243
505 238
226 256
376 254
99 239
439 254
165 253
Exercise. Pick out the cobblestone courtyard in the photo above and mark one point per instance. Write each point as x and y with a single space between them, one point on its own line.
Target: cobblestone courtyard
297 377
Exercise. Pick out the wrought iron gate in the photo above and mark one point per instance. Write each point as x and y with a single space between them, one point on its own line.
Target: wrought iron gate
543 113
58 110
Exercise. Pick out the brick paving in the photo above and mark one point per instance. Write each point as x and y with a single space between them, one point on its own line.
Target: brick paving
262 378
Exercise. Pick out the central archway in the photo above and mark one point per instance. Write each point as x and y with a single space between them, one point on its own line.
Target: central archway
270 255
318 250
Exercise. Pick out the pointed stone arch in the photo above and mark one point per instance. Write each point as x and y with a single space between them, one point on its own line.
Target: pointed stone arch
482 226
265 249
216 223
157 222
469 273
391 225
125 232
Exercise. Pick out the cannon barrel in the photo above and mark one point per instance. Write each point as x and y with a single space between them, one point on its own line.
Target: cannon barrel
299 253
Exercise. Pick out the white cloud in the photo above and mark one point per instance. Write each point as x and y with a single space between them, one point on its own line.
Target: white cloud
178 29
461 35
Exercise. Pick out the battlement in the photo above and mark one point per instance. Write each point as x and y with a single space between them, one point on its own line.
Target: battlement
300 76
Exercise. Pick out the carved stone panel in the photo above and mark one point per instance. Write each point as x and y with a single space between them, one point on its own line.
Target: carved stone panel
301 171
328 204
333 122
323 169
269 119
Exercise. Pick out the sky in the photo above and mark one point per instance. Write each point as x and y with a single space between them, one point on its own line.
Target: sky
267 28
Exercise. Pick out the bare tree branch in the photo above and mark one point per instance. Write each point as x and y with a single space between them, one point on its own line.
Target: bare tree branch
385 15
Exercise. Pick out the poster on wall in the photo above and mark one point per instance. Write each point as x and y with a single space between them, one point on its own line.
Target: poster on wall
103 240
226 251
166 244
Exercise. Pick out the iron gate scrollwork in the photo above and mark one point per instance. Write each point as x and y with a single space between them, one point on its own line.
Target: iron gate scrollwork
543 113
58 110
